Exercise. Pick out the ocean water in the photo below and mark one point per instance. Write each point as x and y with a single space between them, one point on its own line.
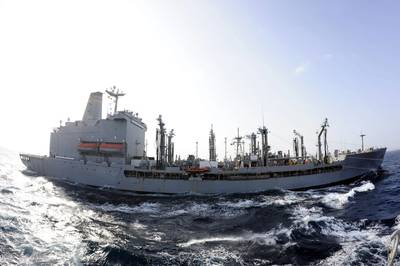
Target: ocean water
46 222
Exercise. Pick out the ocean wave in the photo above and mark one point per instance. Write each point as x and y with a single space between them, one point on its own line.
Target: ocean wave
200 210
266 239
339 200
303 215
364 247
366 244
146 207
215 257
262 201
246 203
42 223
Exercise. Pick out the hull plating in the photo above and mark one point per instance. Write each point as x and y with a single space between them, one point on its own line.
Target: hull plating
101 175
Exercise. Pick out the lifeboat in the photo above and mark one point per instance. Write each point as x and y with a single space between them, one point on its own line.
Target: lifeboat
87 147
197 170
112 147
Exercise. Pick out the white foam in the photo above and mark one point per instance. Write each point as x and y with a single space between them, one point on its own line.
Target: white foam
239 204
355 243
288 199
138 226
339 200
142 208
206 210
201 210
215 256
397 223
155 236
176 213
262 201
303 215
266 239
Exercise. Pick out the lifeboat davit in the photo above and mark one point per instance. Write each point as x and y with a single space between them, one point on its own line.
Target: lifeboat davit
112 147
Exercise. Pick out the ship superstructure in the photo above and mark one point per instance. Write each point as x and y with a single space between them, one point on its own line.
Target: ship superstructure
112 152
118 138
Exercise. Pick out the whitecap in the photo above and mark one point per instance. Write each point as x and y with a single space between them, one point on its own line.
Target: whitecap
138 226
287 199
176 213
266 239
355 242
239 204
142 208
339 200
155 236
215 256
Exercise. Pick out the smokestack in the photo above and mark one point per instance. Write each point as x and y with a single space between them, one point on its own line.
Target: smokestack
93 107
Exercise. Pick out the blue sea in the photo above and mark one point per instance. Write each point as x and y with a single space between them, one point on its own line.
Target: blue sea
47 222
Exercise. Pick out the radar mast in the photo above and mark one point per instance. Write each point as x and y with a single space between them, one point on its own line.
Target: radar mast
115 93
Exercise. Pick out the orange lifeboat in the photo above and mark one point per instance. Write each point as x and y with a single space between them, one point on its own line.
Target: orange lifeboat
87 147
112 147
197 170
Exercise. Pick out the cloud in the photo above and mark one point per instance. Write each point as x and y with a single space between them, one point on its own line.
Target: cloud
301 68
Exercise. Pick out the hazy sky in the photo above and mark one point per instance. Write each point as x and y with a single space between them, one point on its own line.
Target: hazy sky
226 63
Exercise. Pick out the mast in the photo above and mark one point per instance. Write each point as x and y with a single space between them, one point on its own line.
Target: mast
212 150
325 144
362 141
302 147
238 142
253 143
323 131
161 147
264 144
115 93
170 149
296 147
225 158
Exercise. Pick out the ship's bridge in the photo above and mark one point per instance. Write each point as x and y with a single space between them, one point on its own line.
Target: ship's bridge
128 116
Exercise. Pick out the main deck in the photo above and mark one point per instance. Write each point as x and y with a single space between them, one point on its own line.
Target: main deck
242 174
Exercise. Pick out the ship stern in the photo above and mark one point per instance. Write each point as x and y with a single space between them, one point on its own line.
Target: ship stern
33 163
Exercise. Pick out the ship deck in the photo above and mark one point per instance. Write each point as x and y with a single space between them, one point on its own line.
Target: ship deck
234 175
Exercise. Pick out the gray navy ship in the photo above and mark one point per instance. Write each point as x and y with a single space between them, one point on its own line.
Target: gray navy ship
111 153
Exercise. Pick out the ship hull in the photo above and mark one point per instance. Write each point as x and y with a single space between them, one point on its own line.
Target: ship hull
113 176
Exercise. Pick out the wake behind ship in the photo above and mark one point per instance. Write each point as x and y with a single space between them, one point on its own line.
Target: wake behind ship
111 153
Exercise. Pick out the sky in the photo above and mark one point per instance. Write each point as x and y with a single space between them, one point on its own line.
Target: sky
233 64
